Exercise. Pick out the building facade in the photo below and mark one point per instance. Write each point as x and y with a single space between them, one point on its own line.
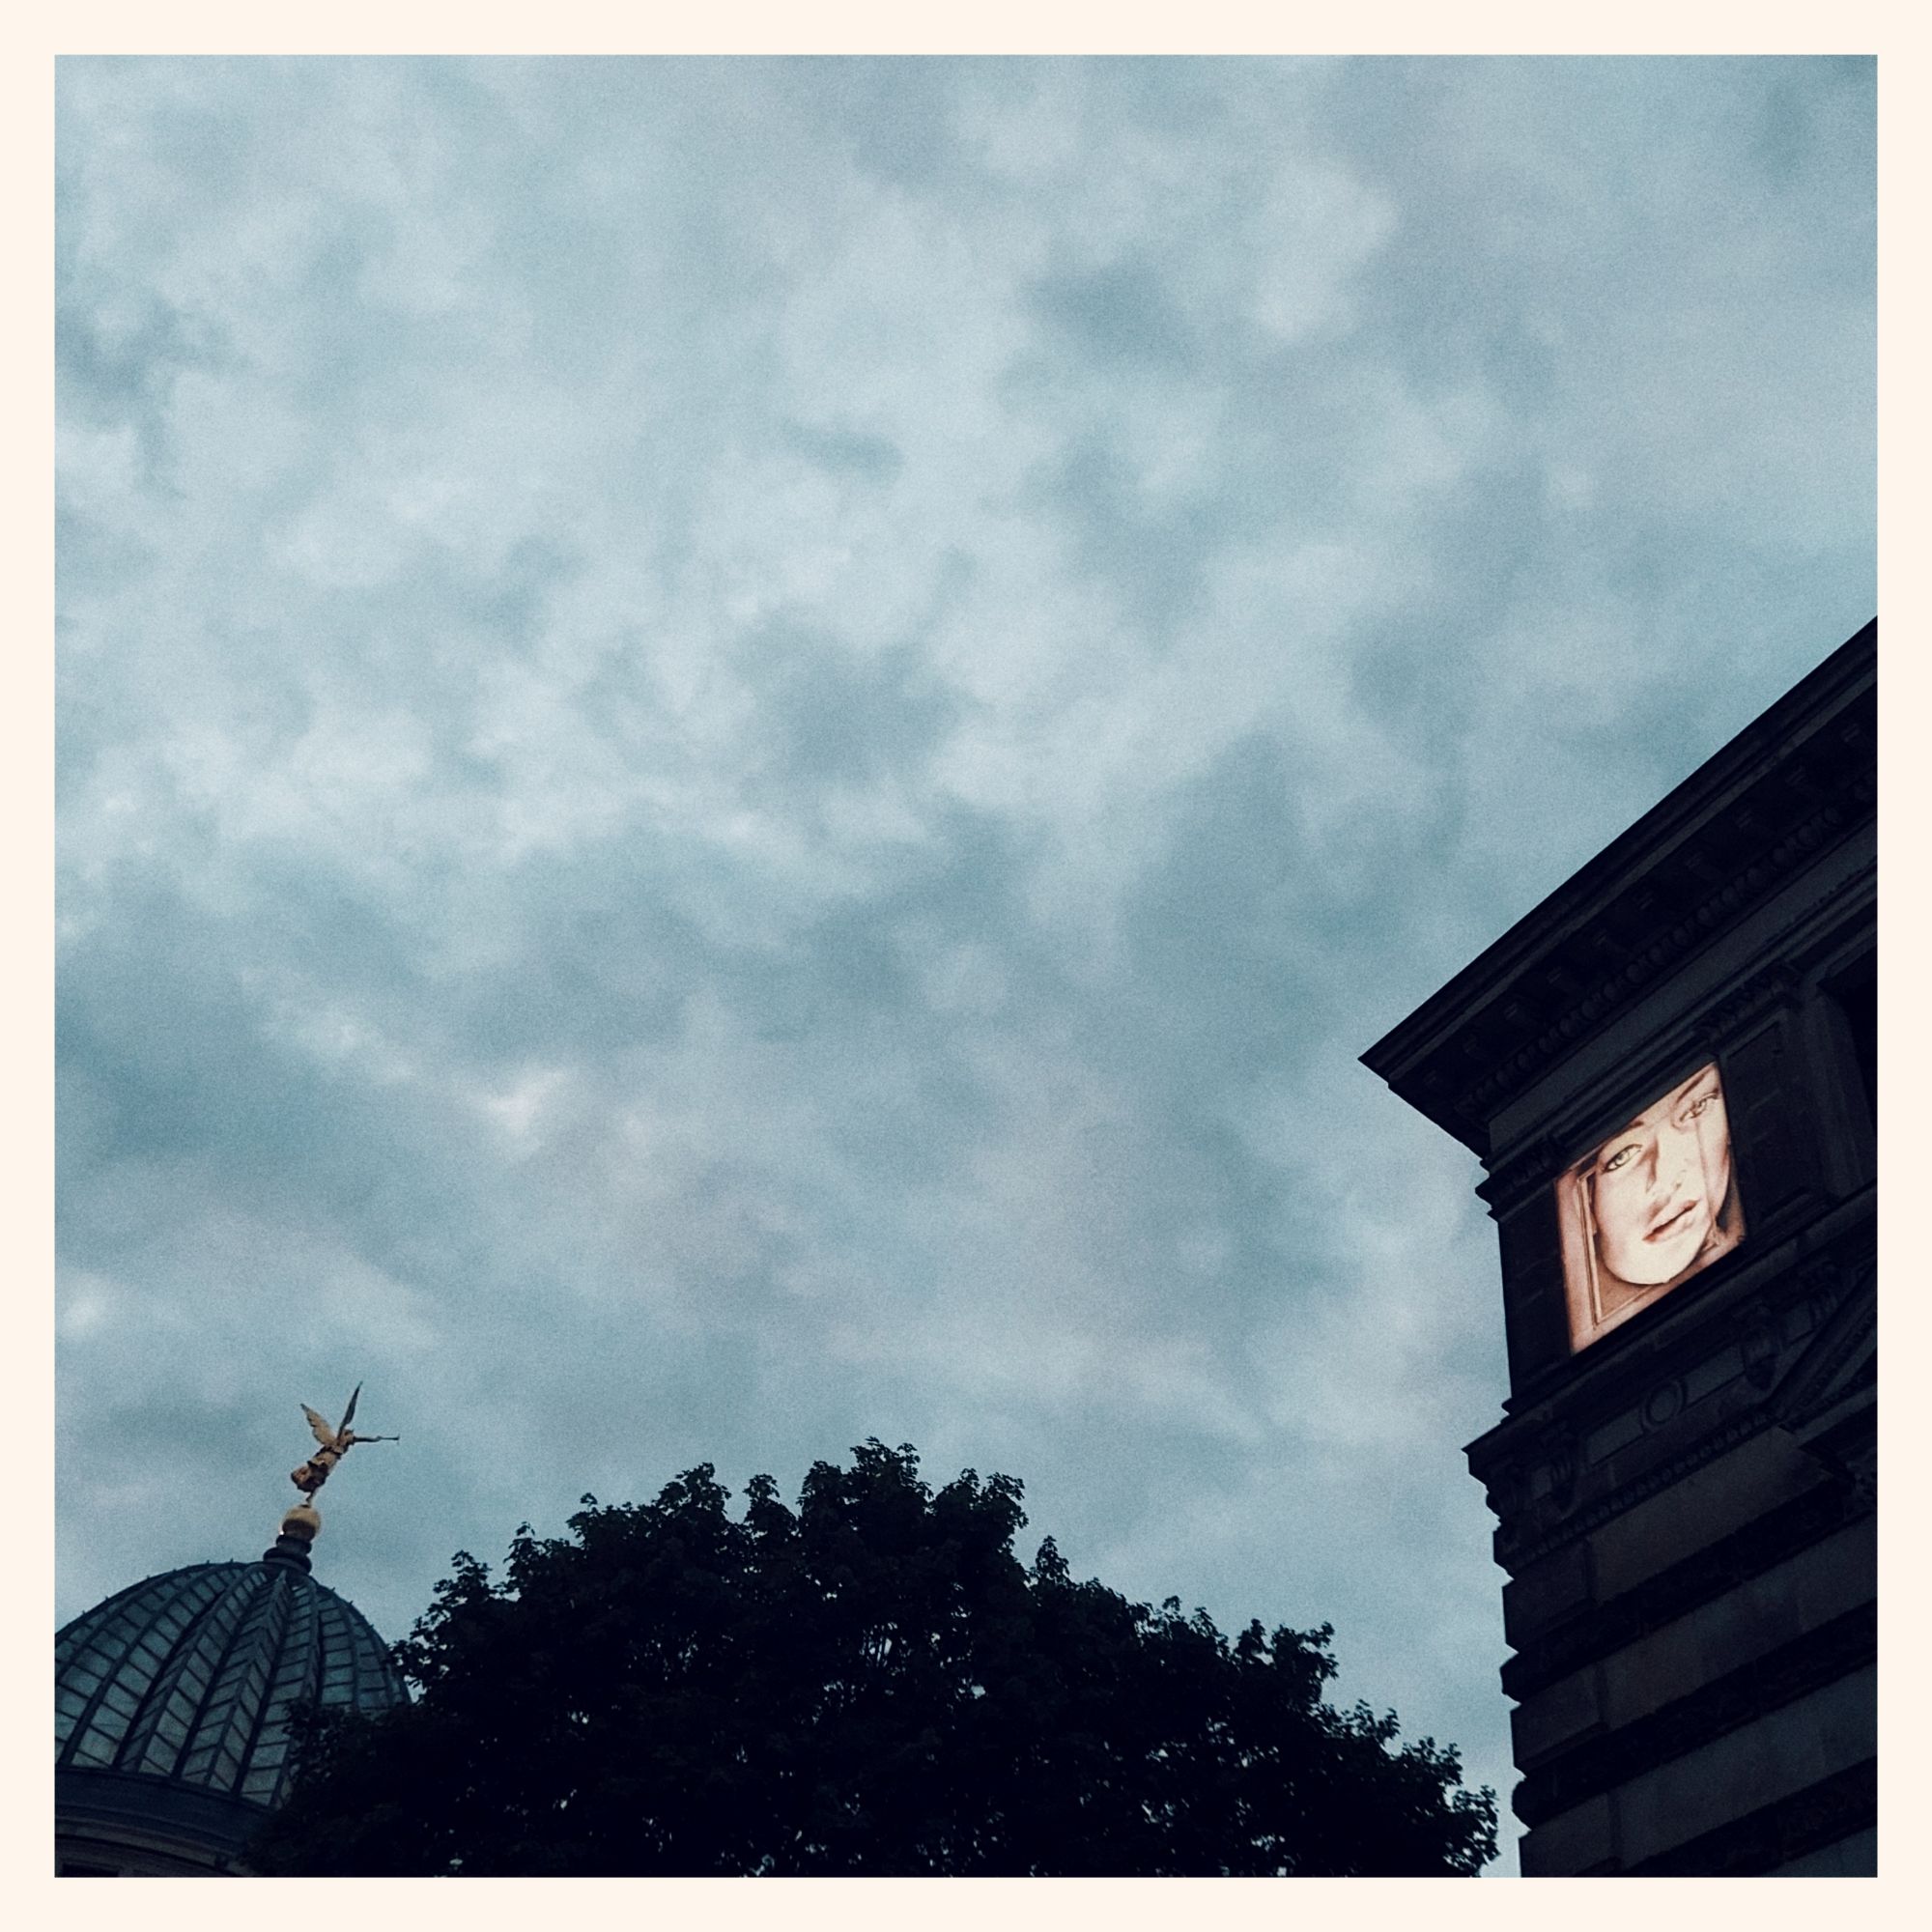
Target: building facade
1669 1070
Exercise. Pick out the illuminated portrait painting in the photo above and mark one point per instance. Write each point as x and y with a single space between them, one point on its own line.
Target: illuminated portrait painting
1649 1206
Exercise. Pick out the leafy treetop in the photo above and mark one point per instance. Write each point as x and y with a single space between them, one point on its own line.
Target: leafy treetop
871 1683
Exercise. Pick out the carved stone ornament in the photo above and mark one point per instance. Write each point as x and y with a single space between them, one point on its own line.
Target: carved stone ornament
1505 1492
1720 909
1559 1450
1662 1403
1760 1344
1765 992
1522 1173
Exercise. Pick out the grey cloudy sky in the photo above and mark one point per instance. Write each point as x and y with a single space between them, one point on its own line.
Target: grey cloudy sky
745 746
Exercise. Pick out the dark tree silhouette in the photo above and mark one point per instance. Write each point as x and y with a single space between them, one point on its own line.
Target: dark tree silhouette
871 1684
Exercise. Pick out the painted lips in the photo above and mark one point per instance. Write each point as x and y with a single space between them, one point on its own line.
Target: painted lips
1673 1224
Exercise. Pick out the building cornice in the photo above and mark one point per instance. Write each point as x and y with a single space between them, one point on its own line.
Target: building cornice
1781 793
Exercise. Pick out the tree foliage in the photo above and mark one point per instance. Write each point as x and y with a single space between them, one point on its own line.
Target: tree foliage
871 1683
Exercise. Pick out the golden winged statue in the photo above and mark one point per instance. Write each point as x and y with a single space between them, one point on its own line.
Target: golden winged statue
336 1443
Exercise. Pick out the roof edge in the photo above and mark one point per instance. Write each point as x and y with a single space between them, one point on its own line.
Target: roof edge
1401 1057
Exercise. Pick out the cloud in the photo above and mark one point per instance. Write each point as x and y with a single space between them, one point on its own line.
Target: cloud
745 746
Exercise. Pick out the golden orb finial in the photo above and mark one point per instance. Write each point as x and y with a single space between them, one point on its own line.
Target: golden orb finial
303 1520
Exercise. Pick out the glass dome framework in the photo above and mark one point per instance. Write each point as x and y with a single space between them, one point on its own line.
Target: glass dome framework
174 1703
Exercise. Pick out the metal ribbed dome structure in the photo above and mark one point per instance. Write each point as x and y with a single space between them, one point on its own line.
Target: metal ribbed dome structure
173 1704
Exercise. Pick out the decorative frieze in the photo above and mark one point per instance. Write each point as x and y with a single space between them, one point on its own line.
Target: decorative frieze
1760 1343
1484 1096
1559 1447
1531 1167
1663 1403
1766 992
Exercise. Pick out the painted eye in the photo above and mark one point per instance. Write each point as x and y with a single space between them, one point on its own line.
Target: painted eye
1702 1104
1621 1158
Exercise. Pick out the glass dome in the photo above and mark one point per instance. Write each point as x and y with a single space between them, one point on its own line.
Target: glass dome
173 1708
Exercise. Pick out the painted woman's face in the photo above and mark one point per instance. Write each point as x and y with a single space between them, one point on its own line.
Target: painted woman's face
1660 1186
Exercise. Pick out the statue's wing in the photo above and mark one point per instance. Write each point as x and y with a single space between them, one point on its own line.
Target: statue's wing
349 1413
324 1434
